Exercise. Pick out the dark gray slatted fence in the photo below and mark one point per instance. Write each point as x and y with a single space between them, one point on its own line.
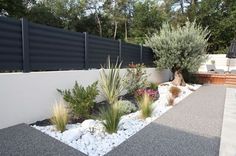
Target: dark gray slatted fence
147 56
131 53
55 49
10 44
26 46
98 50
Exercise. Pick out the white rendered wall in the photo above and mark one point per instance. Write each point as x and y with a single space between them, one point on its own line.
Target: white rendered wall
29 97
221 62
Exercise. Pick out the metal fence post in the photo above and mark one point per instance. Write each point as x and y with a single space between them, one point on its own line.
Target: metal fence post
85 50
25 44
120 50
141 53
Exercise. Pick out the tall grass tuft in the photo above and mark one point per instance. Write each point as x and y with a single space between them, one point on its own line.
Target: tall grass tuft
112 84
60 116
145 106
111 118
175 91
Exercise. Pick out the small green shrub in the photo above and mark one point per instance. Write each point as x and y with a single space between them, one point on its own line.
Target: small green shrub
145 106
111 118
126 106
112 84
80 99
60 116
136 77
153 86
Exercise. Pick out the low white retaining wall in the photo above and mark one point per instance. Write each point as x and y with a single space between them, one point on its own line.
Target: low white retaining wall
221 62
28 97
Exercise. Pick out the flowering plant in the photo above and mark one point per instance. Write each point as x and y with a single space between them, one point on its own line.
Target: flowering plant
153 94
136 77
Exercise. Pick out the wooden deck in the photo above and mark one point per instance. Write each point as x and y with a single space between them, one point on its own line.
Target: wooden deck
216 78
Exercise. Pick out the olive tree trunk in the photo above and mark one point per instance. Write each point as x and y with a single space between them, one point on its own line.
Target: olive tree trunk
178 79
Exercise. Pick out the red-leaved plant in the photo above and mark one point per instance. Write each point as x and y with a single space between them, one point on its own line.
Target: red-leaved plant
153 94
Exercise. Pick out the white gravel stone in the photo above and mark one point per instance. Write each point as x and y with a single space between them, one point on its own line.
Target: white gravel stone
72 134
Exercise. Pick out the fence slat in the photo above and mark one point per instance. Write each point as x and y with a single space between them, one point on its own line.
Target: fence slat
85 51
25 44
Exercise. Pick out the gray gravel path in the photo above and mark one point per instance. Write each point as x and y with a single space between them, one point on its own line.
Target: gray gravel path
22 140
193 127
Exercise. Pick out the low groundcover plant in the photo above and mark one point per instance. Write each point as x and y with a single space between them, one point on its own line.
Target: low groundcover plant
126 106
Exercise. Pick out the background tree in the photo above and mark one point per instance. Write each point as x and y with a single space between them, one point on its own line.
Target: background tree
220 17
41 14
148 17
13 8
179 49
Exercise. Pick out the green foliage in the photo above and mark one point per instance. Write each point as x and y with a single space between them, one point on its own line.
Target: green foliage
80 99
42 14
13 8
126 106
111 118
145 106
180 48
220 17
153 86
136 77
60 116
112 84
142 24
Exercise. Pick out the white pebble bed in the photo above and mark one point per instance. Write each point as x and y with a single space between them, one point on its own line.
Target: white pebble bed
90 137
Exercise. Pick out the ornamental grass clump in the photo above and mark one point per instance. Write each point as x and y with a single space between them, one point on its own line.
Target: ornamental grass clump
174 93
111 118
145 106
112 84
60 116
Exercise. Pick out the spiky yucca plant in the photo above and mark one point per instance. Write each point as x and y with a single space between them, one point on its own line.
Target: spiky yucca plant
111 118
60 116
145 106
112 84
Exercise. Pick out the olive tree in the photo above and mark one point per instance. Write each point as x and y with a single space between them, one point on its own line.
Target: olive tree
180 48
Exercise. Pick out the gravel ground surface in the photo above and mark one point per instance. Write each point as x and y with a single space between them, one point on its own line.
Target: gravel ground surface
22 140
193 127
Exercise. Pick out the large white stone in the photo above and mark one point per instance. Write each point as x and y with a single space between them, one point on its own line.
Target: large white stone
72 134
